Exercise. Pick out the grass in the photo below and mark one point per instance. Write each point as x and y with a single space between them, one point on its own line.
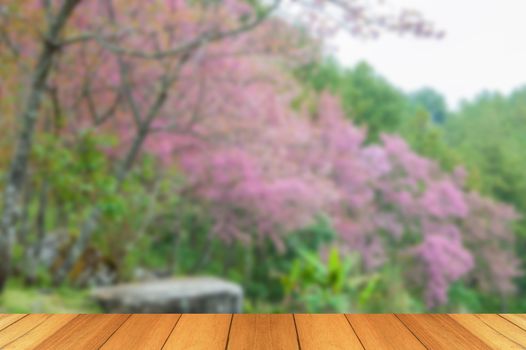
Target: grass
18 298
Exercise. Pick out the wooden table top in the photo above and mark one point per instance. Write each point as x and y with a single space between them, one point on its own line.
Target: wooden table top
262 331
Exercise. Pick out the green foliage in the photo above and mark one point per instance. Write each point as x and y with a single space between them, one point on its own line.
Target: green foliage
488 133
337 283
433 102
463 299
386 291
367 98
306 241
74 176
371 101
428 139
18 298
77 176
315 285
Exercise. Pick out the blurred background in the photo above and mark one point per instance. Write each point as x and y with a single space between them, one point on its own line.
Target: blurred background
287 155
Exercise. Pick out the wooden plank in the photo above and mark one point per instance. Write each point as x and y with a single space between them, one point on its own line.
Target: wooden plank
505 327
143 332
318 331
7 320
258 332
441 332
84 332
518 319
383 332
38 334
487 334
193 331
262 331
19 328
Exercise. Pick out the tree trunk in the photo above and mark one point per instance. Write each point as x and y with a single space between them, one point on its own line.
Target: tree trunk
143 129
90 224
18 169
33 255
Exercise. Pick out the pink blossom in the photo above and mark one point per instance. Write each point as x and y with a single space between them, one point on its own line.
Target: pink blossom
443 199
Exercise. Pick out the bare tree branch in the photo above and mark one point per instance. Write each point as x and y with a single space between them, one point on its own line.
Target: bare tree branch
202 39
126 86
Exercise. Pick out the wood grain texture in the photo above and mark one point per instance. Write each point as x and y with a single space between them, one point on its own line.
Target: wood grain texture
441 332
517 319
317 331
193 331
258 332
84 332
7 320
487 334
142 332
20 327
41 332
383 331
505 327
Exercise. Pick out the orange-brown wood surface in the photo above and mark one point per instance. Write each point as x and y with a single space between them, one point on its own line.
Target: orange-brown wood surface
317 331
383 332
258 332
262 331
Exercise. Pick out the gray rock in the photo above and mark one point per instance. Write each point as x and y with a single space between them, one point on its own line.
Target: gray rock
175 295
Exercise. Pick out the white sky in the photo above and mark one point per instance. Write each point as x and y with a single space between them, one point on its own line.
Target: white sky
484 49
